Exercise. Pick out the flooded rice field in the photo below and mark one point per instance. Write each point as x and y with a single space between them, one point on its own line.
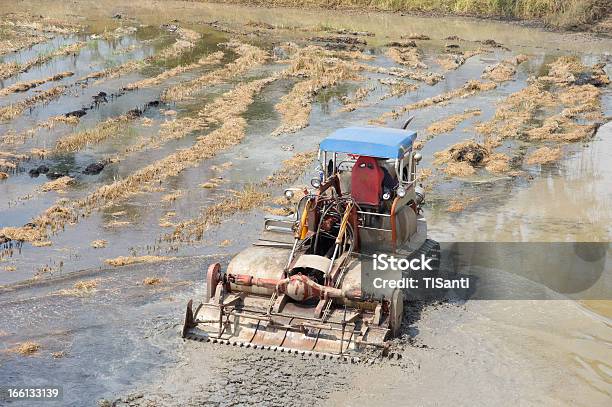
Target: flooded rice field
138 143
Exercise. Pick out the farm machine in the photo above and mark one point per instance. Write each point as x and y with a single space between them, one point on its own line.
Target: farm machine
299 288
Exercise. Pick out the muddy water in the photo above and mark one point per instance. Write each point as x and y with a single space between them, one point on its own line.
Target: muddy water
125 334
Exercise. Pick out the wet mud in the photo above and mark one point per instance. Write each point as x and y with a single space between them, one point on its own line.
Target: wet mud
135 150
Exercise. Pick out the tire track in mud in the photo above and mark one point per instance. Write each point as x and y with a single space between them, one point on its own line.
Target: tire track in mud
244 378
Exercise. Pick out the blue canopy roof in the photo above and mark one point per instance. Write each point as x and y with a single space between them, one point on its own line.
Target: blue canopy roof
382 142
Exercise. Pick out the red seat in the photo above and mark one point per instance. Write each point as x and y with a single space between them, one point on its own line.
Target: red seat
366 181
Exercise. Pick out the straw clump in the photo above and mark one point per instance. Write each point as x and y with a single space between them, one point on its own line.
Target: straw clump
581 100
81 288
249 57
517 111
409 56
14 44
152 281
172 196
252 196
128 260
458 205
430 78
397 88
468 89
351 104
36 232
25 86
320 72
212 59
111 127
12 138
58 185
505 70
462 158
567 70
450 123
453 61
98 244
516 116
27 348
544 155
292 168
11 111
497 163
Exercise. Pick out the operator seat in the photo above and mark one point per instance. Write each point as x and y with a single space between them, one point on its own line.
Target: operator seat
366 182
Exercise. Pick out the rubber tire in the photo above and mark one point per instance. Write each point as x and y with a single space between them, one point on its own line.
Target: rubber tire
212 279
396 312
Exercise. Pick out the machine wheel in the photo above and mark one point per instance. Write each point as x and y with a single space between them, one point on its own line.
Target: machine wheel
212 279
431 249
396 312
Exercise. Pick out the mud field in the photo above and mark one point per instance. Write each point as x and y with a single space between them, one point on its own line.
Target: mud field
140 143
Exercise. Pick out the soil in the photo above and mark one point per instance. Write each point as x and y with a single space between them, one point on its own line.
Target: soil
176 131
